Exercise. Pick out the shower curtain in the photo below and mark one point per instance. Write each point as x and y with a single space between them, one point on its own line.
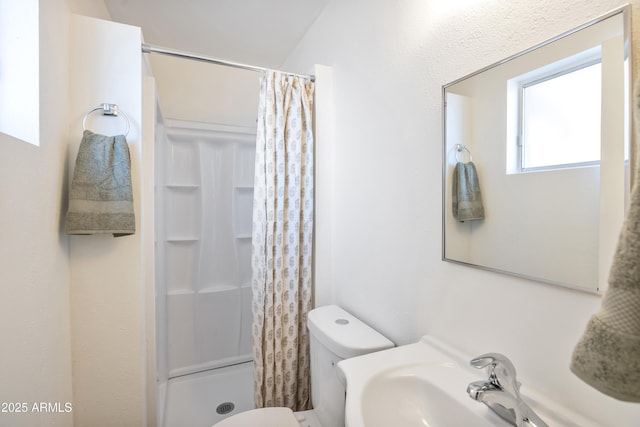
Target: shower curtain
282 242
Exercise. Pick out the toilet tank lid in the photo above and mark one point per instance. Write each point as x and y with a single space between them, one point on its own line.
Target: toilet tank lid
344 334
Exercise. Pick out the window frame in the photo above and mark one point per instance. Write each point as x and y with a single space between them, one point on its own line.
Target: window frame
538 78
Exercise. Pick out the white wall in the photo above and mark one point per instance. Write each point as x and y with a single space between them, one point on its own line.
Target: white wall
151 125
108 274
35 359
389 62
85 309
92 8
202 92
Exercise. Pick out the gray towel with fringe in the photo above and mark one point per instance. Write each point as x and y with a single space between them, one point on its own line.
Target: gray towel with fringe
607 356
467 199
101 197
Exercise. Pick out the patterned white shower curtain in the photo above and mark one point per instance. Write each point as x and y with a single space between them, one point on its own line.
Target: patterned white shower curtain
282 242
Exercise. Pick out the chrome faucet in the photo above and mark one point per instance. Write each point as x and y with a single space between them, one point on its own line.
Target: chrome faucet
501 392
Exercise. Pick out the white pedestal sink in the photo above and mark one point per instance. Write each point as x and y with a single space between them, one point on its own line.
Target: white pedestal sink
424 385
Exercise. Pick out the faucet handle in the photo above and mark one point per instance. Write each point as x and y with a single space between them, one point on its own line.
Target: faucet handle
501 371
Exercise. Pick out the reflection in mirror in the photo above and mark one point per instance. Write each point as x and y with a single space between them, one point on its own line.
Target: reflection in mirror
548 130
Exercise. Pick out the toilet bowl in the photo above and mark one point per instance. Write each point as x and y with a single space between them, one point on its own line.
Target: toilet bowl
264 417
335 335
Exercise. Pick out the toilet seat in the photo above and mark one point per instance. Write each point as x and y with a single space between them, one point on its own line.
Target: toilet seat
263 417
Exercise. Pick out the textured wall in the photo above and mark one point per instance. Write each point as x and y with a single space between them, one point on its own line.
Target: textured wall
389 62
35 355
107 273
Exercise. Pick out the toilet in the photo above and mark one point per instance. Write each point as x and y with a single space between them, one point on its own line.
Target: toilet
335 335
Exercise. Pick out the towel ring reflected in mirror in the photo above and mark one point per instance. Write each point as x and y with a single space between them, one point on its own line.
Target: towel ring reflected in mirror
462 148
108 110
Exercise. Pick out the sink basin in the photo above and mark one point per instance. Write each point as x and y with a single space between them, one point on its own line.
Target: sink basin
424 385
417 385
410 397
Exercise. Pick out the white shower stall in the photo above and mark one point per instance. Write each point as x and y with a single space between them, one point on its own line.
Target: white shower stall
204 200
204 193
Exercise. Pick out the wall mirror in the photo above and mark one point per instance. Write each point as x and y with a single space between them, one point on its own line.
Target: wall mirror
548 132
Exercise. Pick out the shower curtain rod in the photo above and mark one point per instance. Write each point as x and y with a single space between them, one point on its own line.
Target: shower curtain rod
147 48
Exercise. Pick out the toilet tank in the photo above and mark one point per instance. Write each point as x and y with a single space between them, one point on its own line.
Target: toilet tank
336 335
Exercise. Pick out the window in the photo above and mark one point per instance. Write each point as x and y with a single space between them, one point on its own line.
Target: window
20 69
559 119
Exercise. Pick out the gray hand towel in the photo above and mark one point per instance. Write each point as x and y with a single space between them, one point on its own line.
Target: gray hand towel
607 357
101 197
467 199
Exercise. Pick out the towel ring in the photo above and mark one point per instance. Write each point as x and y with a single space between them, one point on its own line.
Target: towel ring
460 148
108 110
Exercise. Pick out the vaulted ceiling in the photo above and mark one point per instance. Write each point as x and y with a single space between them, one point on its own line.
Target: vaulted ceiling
257 32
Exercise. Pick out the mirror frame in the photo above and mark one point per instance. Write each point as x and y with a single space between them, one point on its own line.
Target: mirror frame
625 11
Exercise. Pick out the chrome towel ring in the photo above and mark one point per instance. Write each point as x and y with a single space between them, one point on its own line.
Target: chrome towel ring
460 148
108 110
